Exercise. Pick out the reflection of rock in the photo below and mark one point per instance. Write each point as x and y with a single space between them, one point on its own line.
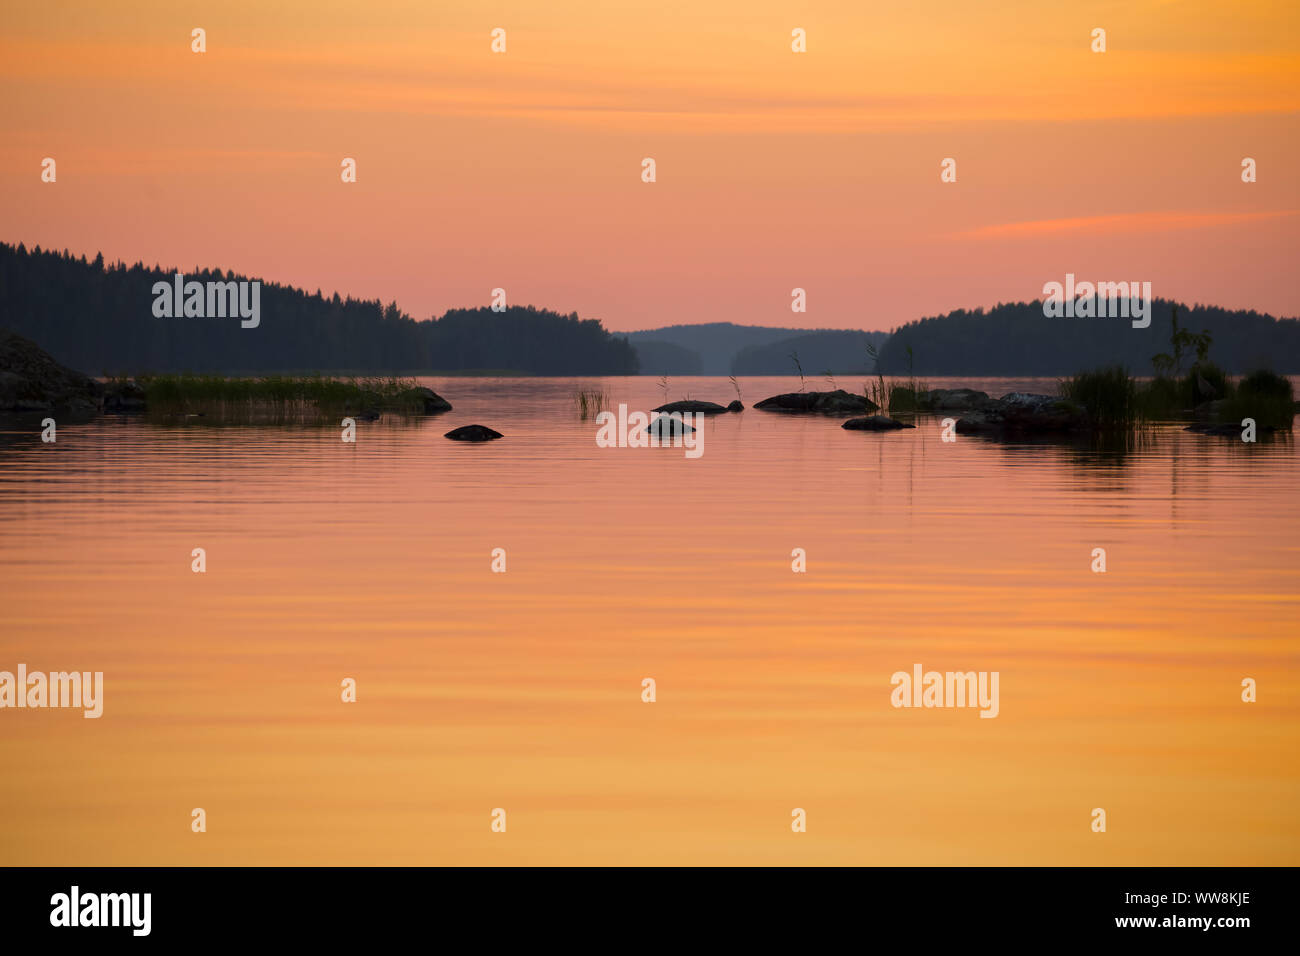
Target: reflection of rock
430 401
668 427
31 381
126 396
954 399
690 405
1023 412
838 402
874 423
736 405
1231 429
472 433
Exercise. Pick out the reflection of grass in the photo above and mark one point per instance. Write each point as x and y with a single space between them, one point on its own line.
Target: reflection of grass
275 397
590 401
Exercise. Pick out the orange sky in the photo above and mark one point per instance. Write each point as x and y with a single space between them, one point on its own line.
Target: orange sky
775 169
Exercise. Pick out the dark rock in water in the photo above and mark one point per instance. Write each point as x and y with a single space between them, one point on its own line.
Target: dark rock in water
30 379
736 405
703 408
954 399
126 396
874 423
667 427
472 433
365 415
427 399
1023 412
838 402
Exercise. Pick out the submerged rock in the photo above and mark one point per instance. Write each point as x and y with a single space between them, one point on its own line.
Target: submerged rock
838 402
426 398
665 426
472 433
31 380
874 423
365 415
690 405
1024 412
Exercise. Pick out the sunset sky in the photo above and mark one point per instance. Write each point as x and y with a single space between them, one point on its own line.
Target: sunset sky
775 169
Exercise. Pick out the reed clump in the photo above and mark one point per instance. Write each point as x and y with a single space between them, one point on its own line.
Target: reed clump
276 397
591 401
1109 396
1264 396
1113 399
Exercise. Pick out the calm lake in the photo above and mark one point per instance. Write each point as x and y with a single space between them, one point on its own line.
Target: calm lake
523 690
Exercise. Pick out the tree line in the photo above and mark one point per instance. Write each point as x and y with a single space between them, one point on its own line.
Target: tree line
98 317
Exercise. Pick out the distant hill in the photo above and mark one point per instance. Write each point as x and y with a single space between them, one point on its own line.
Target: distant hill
1017 339
836 351
667 358
100 318
716 343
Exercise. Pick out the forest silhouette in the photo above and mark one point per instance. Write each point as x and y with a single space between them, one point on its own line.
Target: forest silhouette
98 317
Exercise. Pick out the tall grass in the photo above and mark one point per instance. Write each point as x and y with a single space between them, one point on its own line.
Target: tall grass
1264 396
911 394
876 393
794 357
1109 395
1114 400
590 401
277 397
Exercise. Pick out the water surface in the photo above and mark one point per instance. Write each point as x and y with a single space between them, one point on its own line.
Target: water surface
522 690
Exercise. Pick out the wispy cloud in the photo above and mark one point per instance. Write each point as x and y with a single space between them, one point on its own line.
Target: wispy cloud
1122 223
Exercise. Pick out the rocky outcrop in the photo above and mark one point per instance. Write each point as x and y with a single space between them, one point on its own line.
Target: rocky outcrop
31 381
1023 412
735 405
472 433
838 402
701 408
874 423
426 399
